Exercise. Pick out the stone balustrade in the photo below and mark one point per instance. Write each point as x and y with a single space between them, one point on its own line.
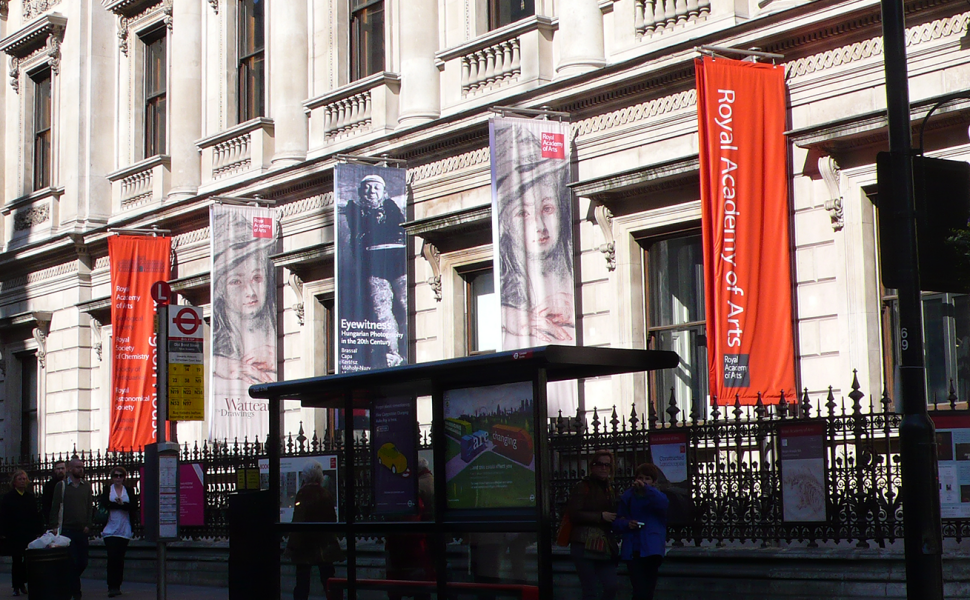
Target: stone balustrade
515 57
656 16
239 151
366 106
140 184
31 218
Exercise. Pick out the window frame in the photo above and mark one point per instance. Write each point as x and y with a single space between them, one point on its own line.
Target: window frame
29 404
658 390
251 61
496 11
359 11
155 120
42 105
468 273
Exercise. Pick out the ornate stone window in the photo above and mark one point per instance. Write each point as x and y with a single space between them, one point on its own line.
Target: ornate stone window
503 12
366 38
252 59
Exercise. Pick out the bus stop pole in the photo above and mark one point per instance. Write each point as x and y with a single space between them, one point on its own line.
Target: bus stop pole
543 461
917 438
161 414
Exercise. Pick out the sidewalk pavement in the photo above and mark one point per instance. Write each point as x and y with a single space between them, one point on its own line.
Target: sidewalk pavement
95 589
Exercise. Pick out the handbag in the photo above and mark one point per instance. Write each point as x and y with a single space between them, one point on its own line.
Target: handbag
565 530
101 516
599 545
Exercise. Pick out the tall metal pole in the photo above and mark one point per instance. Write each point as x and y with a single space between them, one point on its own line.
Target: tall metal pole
161 415
920 477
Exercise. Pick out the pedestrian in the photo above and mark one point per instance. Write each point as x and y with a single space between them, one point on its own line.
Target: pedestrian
19 525
119 500
592 509
314 503
71 509
642 520
47 495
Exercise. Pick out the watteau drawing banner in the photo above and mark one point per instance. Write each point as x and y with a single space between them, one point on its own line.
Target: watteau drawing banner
532 221
243 351
136 262
746 238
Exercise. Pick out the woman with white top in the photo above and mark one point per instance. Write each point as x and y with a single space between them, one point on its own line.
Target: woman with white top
121 503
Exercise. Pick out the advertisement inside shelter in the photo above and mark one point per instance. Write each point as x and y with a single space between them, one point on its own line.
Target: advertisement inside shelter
371 267
394 446
291 480
490 454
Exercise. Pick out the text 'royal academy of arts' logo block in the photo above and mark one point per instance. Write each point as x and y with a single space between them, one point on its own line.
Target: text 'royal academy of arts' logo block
736 373
262 227
553 145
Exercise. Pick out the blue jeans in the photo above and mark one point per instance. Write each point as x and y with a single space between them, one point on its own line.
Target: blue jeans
643 575
591 571
79 556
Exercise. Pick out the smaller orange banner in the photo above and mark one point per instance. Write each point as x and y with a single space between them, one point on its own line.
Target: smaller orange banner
137 262
746 237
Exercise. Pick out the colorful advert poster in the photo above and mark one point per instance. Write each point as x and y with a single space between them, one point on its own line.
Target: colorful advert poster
532 225
490 450
802 455
953 456
741 116
371 265
244 317
191 495
291 480
669 453
393 439
136 263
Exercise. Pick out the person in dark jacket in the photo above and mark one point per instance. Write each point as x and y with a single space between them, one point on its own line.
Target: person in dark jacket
122 505
20 523
642 520
47 496
314 503
592 509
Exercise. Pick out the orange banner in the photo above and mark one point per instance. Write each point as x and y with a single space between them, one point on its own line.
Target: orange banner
136 263
747 247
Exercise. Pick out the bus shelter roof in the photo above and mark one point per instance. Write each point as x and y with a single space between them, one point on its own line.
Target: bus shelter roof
559 362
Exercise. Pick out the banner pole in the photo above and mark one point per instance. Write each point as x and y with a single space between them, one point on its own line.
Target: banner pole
161 404
920 472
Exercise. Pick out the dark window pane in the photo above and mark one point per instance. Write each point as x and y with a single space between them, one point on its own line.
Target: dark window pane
29 441
251 58
42 130
366 38
503 12
155 93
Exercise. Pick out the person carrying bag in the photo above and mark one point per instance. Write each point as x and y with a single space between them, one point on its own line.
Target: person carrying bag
20 523
119 502
591 509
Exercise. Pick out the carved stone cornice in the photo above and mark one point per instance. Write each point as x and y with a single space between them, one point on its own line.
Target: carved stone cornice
215 5
831 174
40 38
129 11
296 284
96 342
33 8
29 217
604 218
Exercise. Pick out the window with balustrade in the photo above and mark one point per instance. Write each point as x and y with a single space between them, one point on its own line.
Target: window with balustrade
366 38
503 12
251 74
156 58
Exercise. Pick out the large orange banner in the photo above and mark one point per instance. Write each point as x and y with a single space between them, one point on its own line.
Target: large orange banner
747 247
136 263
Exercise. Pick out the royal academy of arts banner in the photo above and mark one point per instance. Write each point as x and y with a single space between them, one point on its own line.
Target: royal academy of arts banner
372 281
243 347
136 263
746 238
532 237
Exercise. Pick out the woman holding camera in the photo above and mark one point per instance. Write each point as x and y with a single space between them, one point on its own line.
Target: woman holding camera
120 501
592 509
642 519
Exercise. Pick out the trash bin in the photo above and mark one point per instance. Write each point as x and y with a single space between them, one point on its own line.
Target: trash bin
49 574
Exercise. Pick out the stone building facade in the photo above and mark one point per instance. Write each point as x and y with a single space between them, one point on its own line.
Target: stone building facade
122 114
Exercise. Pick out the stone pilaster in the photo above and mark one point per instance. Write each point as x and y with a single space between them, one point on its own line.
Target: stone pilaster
420 96
580 37
289 52
185 96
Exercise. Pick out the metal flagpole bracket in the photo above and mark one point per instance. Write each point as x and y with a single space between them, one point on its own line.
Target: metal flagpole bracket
506 111
378 161
721 52
256 200
153 231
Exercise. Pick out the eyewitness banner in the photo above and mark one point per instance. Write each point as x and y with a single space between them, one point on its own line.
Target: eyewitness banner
532 229
243 347
747 261
372 281
136 263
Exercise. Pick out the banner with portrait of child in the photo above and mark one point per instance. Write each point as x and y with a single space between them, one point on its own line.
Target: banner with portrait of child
244 339
371 264
532 237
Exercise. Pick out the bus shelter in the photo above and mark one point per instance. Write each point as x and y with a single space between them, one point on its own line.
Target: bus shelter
490 462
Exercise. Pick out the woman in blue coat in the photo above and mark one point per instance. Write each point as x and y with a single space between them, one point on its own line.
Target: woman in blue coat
642 520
